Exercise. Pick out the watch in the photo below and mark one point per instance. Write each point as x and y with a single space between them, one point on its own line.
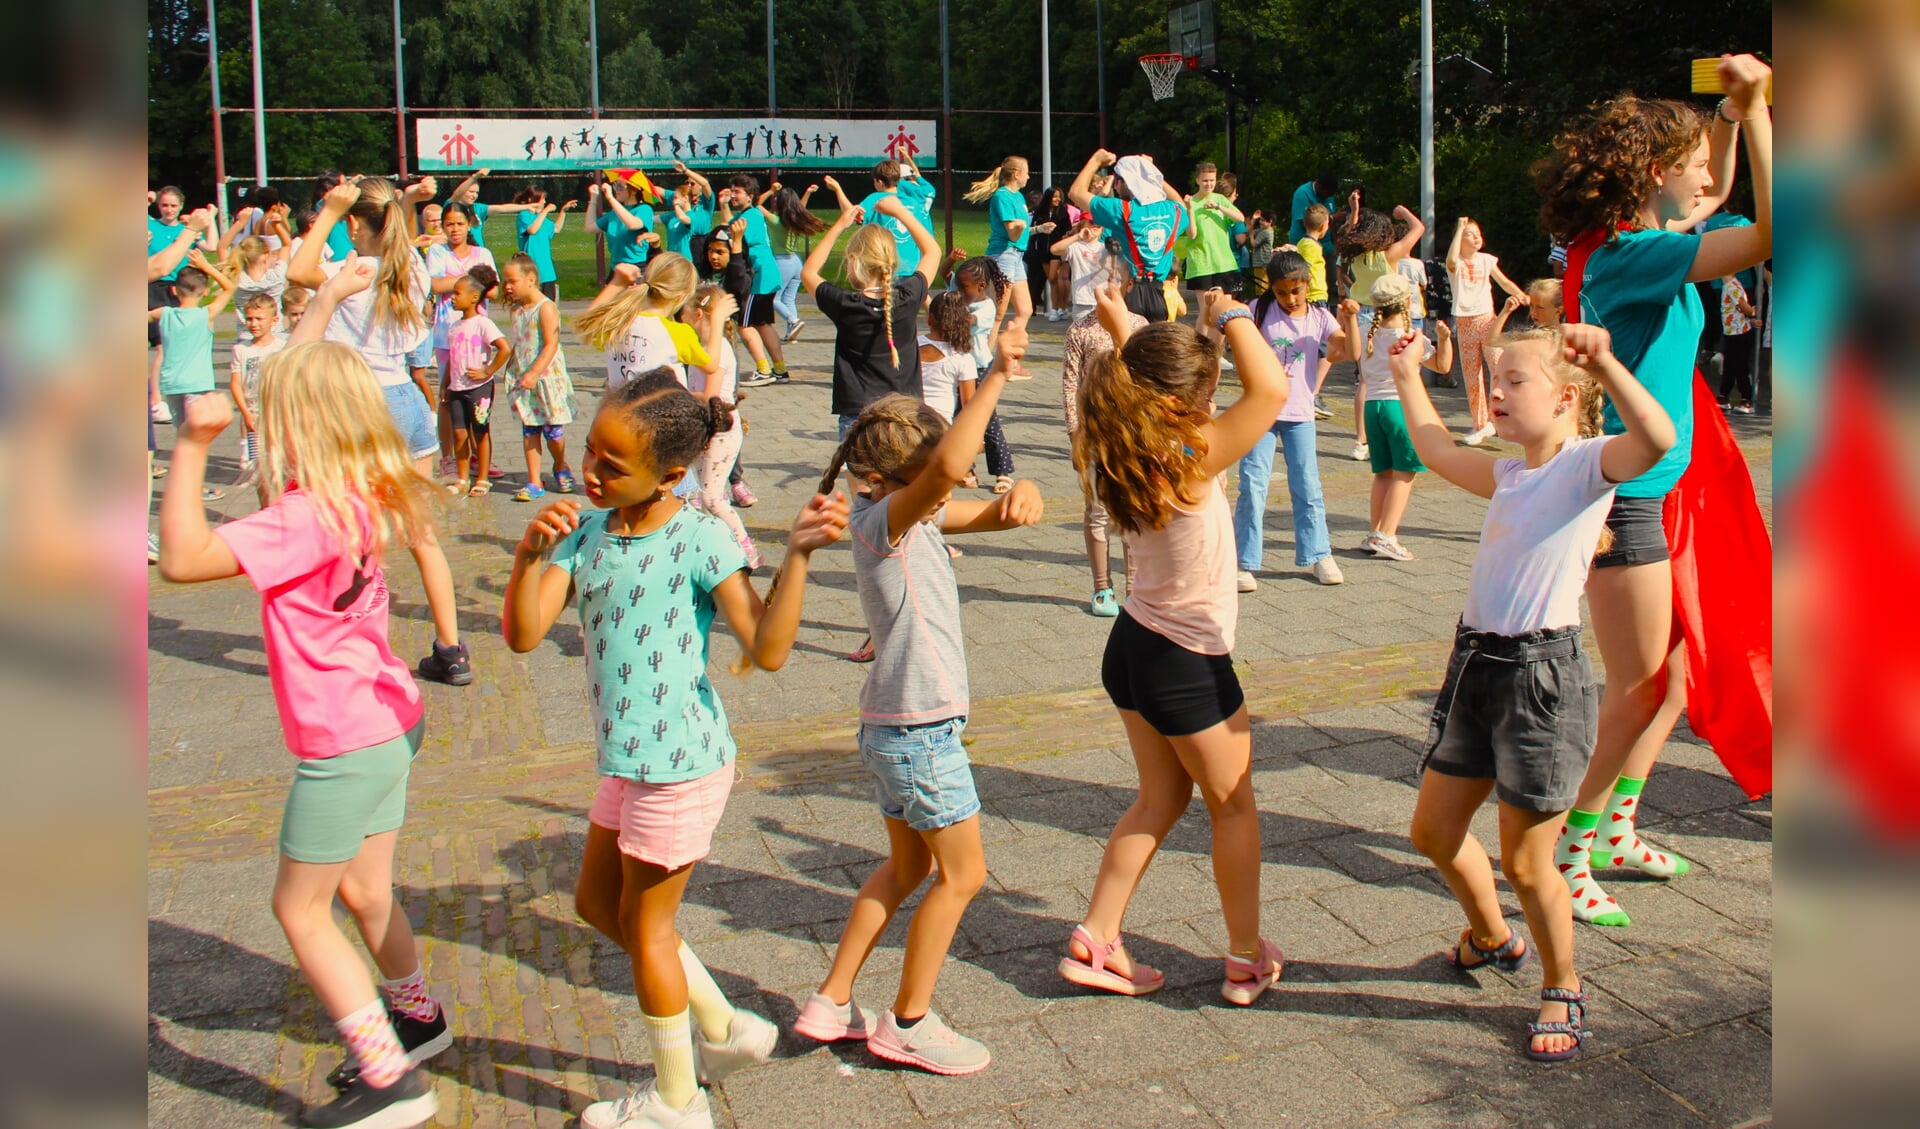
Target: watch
1720 111
1220 323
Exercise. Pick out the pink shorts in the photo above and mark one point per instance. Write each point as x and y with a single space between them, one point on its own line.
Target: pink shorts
667 825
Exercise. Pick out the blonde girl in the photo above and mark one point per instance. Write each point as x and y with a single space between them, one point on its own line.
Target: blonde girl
258 270
341 489
385 322
712 310
914 707
1007 232
1390 448
636 319
1517 712
1472 273
1148 448
542 392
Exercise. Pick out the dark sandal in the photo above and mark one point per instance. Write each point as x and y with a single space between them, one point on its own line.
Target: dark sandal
1575 1025
864 654
1503 957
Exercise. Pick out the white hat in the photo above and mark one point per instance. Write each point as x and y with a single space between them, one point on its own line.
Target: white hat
1143 179
1390 289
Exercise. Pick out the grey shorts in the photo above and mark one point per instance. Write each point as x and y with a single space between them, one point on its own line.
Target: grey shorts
1521 709
1639 533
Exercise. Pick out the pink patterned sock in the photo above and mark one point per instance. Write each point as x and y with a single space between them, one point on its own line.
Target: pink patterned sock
370 1039
408 995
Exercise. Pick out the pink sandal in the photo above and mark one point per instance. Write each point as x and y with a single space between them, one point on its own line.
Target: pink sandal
1094 973
1257 974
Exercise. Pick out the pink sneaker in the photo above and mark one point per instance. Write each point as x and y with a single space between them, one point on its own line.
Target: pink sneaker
825 1021
1248 977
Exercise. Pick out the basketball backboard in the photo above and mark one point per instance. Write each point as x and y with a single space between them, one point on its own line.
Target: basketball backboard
1190 32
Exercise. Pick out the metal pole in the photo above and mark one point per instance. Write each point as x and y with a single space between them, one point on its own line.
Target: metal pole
1100 69
773 106
219 148
1426 126
946 128
399 92
593 50
259 107
1046 103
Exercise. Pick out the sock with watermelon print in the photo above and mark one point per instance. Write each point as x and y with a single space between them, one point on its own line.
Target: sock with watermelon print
1574 856
1620 844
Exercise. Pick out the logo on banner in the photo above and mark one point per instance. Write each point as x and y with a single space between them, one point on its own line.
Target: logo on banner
461 147
901 145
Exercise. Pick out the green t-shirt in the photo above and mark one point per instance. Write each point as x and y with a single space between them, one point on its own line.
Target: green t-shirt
1212 249
186 350
1636 289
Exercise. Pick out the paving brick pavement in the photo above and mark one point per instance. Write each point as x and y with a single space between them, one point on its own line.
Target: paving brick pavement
1370 1027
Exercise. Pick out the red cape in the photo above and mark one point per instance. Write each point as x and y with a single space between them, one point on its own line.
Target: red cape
1722 582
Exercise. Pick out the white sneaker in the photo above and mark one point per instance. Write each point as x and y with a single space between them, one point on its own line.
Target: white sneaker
159 413
1226 363
1478 436
1361 453
1327 571
749 1042
1246 582
644 1108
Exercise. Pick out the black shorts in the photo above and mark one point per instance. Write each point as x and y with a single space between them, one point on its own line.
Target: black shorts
1228 281
551 290
758 311
1520 709
1178 691
159 293
1148 298
1639 535
471 410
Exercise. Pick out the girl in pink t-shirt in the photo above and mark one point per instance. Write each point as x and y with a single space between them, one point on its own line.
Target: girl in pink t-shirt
1149 449
340 489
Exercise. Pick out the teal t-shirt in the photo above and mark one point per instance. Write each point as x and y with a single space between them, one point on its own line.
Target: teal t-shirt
538 245
646 604
903 243
479 233
1004 207
1154 225
1748 279
160 236
340 244
766 272
1636 289
1212 248
1303 198
917 193
699 222
186 350
624 244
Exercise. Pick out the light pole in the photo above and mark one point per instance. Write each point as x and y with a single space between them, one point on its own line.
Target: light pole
1426 126
773 107
219 148
1046 103
1100 70
399 93
946 129
259 107
593 51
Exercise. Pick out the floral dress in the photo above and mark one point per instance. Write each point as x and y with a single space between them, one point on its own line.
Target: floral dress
549 401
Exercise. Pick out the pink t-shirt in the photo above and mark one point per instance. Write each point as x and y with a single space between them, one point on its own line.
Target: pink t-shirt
1182 587
470 345
323 617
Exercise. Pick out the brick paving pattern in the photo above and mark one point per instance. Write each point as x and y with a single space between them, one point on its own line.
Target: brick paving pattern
1369 1027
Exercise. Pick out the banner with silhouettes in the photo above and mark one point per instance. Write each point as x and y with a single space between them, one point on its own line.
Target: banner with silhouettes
450 145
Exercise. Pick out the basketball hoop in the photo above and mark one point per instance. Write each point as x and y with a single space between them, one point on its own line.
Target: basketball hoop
1162 72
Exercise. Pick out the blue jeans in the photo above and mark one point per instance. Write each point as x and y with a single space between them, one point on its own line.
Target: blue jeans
784 302
1310 540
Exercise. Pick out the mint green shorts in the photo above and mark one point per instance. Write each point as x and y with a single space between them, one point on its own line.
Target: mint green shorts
337 802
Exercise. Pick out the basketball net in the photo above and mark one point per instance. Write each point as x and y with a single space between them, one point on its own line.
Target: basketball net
1162 72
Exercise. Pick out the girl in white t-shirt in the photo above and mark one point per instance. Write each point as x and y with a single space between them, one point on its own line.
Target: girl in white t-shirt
1472 271
639 325
946 356
1389 449
1085 254
713 309
1518 711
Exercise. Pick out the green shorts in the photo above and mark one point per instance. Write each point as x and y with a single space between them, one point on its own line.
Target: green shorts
337 802
1388 440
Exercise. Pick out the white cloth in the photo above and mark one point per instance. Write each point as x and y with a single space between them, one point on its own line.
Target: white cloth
940 380
1537 542
1414 271
1377 371
1086 271
1473 285
1142 177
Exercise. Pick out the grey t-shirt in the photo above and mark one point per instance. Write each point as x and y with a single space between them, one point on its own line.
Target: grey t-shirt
912 604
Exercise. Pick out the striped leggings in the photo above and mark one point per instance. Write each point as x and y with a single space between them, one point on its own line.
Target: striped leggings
1471 332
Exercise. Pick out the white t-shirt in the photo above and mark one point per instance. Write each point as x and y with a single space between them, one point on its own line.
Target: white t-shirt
1537 542
1415 271
722 383
247 359
1085 272
381 341
1377 370
1473 285
940 380
652 341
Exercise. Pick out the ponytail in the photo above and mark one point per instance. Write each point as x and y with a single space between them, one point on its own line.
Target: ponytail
664 288
989 184
396 298
892 434
600 326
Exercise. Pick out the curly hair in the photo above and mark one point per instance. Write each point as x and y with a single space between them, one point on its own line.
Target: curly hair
676 424
982 269
1601 168
1373 231
950 320
1143 410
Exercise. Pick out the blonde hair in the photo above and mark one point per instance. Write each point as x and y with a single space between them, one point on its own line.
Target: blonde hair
250 251
1382 314
664 289
1561 371
395 299
702 298
324 426
1546 290
989 184
871 259
893 434
1143 409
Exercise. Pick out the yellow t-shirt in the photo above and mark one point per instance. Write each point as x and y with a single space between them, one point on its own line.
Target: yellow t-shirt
1367 269
1309 249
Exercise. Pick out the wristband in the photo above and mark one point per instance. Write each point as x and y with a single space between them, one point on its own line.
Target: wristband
1720 111
1220 323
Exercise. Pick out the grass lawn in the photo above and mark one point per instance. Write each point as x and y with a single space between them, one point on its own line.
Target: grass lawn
573 248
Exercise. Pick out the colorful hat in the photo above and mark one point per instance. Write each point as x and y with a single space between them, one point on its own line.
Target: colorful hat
638 180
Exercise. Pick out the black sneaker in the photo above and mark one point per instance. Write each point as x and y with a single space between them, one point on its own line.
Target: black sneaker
782 378
452 665
421 1039
408 1102
759 380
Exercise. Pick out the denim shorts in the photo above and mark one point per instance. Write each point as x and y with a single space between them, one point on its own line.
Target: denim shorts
1639 533
1013 264
921 775
1522 709
408 407
422 357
